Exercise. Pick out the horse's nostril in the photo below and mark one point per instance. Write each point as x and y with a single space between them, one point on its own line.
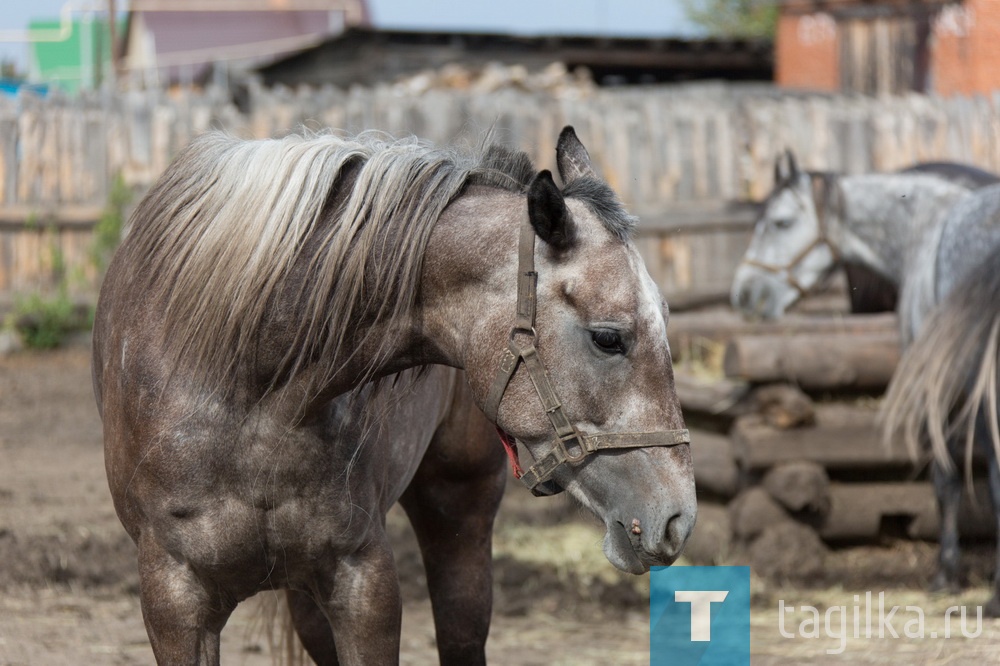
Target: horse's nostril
673 538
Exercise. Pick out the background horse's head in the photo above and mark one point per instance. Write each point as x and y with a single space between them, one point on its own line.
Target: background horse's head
600 332
790 250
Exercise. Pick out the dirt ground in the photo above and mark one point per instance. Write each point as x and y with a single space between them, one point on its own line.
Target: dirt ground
68 581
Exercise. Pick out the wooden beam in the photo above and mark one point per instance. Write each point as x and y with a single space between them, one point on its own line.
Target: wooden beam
682 219
865 511
845 437
69 215
721 326
815 361
721 397
715 470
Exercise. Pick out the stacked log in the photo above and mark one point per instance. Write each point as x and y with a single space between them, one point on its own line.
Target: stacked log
838 477
816 361
793 472
715 470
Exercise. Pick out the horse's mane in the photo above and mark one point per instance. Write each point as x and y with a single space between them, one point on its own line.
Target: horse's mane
217 239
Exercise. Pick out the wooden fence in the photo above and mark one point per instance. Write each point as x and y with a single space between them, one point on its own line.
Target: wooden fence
677 154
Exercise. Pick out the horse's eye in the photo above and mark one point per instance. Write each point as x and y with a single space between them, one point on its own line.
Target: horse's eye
608 341
783 222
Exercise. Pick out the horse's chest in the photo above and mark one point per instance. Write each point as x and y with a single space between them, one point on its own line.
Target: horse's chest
262 507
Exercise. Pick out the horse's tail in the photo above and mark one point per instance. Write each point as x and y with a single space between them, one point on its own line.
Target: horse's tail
273 621
947 379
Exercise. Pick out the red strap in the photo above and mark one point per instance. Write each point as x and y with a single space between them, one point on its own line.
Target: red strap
510 446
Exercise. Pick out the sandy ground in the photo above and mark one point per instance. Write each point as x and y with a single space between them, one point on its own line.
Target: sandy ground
68 581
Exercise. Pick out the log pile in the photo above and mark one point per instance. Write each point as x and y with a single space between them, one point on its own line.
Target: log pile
796 471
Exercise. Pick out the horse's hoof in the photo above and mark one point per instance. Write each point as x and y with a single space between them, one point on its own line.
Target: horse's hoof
944 584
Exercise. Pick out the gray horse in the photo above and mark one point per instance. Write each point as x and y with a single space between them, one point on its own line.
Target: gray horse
907 227
260 280
813 222
945 388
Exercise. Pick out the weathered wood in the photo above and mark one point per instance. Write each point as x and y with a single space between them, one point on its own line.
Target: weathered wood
670 151
815 361
710 541
723 397
866 511
845 437
723 324
34 217
788 550
753 511
783 406
799 486
715 469
700 217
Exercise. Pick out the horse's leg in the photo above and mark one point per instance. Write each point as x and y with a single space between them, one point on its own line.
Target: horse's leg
992 608
362 602
451 504
948 488
183 619
312 627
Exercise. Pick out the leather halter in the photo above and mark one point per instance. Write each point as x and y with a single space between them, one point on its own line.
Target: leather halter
571 445
824 192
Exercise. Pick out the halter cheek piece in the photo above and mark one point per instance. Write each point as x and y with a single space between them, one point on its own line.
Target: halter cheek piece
825 195
570 446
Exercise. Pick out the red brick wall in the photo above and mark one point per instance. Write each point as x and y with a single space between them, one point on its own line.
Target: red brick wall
965 50
806 52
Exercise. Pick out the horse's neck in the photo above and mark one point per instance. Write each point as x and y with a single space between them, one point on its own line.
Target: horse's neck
468 274
469 271
886 218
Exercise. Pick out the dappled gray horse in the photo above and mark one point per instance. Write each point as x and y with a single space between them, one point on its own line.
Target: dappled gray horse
906 227
870 292
262 279
813 222
945 388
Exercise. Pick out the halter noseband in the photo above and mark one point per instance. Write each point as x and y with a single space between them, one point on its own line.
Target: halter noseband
824 189
571 445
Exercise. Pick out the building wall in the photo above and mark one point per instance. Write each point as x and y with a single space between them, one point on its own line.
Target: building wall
77 57
806 52
966 48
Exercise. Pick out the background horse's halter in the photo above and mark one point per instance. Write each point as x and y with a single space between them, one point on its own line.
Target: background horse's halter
826 198
571 445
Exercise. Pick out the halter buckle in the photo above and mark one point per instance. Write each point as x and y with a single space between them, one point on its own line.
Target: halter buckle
530 332
581 443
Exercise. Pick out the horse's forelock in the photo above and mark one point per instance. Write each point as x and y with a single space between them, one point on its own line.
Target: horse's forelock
605 204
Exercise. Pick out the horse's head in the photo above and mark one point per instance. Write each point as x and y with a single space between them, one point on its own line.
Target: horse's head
790 251
587 383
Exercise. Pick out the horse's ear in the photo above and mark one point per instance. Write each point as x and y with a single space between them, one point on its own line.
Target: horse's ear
572 158
786 168
548 214
793 165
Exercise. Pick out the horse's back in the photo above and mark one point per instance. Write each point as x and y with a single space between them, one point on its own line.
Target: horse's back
966 175
971 236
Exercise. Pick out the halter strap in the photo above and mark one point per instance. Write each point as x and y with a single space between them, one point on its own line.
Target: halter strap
823 189
570 446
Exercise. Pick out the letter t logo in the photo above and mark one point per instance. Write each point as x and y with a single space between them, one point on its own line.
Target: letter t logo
701 610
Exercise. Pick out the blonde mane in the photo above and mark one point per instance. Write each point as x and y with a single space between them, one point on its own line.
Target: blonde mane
322 236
